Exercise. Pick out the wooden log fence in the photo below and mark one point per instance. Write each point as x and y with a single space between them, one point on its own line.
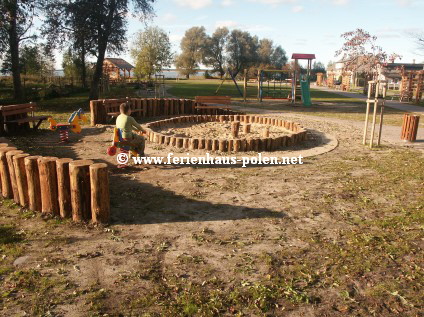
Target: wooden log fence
60 187
235 144
154 107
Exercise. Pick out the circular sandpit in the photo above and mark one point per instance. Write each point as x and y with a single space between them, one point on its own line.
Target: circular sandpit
226 133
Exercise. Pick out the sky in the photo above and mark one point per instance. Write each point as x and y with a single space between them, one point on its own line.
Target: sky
299 26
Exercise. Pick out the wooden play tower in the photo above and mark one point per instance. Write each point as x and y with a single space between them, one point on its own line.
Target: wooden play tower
412 85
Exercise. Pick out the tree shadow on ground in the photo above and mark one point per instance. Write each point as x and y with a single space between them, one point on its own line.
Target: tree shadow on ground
134 202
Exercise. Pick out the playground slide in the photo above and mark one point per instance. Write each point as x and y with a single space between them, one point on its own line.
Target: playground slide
306 93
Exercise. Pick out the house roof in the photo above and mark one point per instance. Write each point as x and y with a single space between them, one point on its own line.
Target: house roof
407 66
303 56
120 63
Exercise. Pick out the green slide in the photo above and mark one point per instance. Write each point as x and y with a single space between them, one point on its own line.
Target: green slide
306 93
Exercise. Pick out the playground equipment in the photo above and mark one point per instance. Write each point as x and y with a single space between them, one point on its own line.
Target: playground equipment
235 144
118 142
412 85
298 78
378 89
278 84
73 125
320 79
230 73
298 84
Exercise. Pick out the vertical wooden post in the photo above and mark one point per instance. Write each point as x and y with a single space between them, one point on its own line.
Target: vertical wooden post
380 130
64 187
79 173
48 185
245 86
374 116
222 147
21 179
235 125
9 157
100 195
367 113
33 181
6 184
246 128
265 133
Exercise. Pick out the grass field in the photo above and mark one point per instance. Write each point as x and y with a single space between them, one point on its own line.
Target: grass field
325 104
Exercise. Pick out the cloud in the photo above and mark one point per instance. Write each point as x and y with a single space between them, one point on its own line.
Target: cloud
297 9
194 4
227 3
229 24
274 2
404 3
169 17
340 2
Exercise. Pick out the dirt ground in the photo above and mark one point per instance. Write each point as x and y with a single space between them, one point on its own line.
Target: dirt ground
340 235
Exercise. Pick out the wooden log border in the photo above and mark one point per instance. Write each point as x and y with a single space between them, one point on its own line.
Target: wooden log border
298 134
153 107
43 185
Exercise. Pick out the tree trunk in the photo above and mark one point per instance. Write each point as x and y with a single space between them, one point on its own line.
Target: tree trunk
83 67
14 52
98 72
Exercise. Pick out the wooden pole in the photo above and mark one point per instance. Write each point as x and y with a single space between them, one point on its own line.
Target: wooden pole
6 184
380 130
265 133
245 86
246 129
374 116
367 113
33 182
235 125
64 187
79 173
48 185
21 179
100 195
9 157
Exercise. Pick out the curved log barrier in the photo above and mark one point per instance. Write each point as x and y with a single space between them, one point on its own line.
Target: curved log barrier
265 143
152 107
61 187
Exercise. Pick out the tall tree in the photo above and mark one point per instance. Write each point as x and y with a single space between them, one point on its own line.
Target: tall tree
214 54
66 28
265 51
103 24
16 20
242 51
192 51
360 51
279 57
151 52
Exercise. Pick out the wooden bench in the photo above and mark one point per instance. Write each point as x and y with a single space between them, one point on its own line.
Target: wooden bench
112 107
21 114
222 100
